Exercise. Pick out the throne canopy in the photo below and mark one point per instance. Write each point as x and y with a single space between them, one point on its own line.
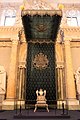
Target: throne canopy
41 24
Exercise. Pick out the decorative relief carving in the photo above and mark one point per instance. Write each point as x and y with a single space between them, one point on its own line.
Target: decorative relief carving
22 65
39 5
40 61
5 44
60 36
71 32
10 32
73 6
48 41
14 41
71 29
41 28
21 35
3 29
60 65
42 12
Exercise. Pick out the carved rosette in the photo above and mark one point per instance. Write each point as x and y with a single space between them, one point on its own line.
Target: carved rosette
40 61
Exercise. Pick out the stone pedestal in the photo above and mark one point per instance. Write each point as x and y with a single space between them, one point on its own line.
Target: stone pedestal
2 97
12 104
11 84
73 104
59 104
69 104
8 104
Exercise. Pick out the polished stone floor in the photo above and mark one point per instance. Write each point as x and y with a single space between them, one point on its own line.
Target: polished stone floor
39 115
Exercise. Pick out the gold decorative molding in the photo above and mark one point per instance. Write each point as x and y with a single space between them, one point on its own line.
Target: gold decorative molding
15 41
67 39
5 44
22 65
41 41
72 32
73 6
75 44
9 32
76 39
12 28
41 12
74 29
60 37
59 64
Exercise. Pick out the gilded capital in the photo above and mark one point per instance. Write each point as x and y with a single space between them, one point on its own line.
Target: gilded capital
60 64
22 65
67 41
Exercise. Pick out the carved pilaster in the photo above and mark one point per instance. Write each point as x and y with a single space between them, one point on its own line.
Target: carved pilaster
11 84
60 80
70 84
22 70
21 83
59 52
60 69
5 44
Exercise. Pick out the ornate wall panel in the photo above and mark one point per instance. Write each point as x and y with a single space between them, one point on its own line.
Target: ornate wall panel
5 53
75 50
41 70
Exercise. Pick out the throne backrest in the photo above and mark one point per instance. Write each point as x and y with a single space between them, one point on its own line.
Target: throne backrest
41 92
41 95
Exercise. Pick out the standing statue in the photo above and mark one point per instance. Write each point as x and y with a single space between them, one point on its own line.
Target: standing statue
77 78
2 84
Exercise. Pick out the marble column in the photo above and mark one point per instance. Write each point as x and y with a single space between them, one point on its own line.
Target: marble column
59 70
12 76
21 81
9 102
22 67
70 84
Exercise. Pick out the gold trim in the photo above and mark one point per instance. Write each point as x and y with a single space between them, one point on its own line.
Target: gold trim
41 12
41 41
